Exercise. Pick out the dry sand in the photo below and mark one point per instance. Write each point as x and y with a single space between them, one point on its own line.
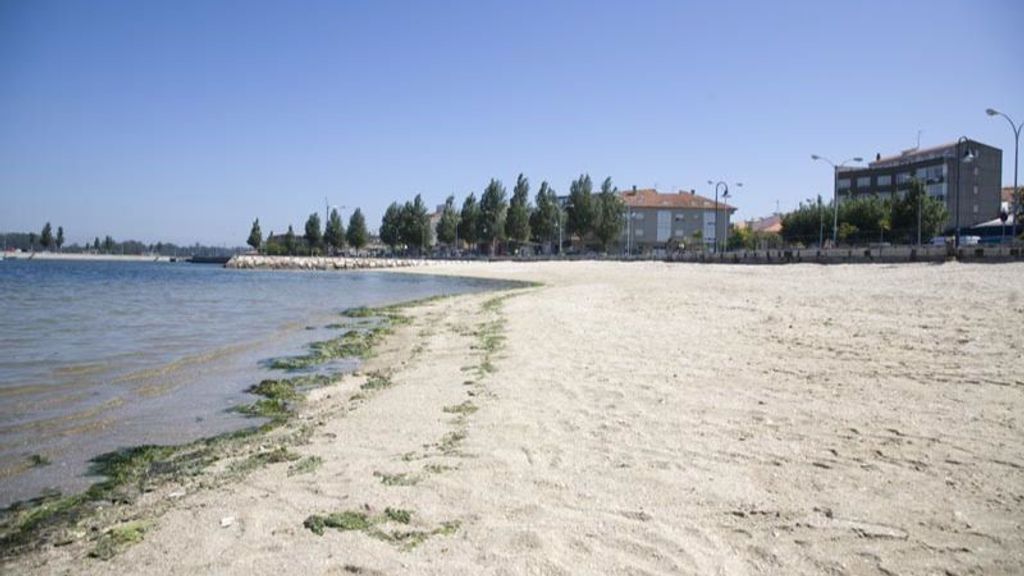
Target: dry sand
649 418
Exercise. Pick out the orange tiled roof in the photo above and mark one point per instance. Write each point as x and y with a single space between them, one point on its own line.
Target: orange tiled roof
650 198
771 223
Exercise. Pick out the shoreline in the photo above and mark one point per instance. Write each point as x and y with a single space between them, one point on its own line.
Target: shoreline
64 256
123 476
650 417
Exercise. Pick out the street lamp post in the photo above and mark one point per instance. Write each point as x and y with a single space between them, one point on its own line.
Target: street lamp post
725 237
1017 209
821 226
630 217
725 194
835 190
967 156
627 215
561 216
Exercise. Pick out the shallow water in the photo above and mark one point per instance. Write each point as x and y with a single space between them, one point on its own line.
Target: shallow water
97 356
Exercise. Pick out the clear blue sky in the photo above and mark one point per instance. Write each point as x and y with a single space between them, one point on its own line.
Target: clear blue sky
184 120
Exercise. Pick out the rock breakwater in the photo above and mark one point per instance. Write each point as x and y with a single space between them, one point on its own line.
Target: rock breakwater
253 262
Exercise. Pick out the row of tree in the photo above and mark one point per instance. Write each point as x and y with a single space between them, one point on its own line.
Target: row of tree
48 240
32 241
330 239
496 224
868 219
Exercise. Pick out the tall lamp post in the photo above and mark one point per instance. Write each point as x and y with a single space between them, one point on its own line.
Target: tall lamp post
561 216
835 190
965 157
1016 150
630 216
725 194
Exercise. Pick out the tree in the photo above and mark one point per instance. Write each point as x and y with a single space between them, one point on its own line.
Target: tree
290 245
846 231
493 211
810 222
517 227
334 232
741 237
313 235
866 217
96 244
108 245
608 212
698 240
46 237
357 235
32 241
544 220
390 225
448 226
905 212
255 235
60 237
468 222
580 217
414 230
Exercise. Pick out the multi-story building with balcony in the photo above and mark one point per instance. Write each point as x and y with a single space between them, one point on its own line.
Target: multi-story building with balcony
976 168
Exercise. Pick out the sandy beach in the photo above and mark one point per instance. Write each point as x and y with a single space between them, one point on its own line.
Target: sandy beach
640 418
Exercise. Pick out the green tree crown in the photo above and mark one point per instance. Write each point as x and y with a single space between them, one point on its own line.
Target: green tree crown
469 219
447 226
493 211
313 235
580 213
357 235
255 235
517 225
608 214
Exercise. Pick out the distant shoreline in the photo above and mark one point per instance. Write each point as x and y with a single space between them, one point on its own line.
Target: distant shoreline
87 257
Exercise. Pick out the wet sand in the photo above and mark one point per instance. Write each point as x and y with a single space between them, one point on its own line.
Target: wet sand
646 418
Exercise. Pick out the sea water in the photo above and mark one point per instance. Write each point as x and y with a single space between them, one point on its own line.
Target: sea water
99 356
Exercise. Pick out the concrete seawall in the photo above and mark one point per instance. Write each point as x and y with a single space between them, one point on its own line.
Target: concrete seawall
254 262
863 255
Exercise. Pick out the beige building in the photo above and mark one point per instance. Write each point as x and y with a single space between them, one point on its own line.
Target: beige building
657 222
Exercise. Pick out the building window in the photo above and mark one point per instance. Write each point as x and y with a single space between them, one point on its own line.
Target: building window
639 231
932 174
864 182
843 183
884 180
975 208
936 190
903 178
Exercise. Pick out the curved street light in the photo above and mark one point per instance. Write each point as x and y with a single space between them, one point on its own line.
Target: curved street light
725 194
968 156
835 189
562 216
1016 150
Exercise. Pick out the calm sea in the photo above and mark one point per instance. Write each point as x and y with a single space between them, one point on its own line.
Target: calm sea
97 356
